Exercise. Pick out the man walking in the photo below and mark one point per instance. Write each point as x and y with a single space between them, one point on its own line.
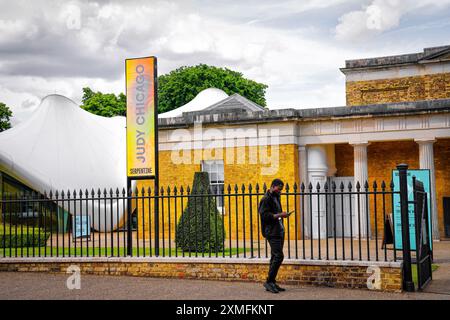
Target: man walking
272 229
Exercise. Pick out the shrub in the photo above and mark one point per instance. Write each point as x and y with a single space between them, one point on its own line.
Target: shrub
23 240
200 227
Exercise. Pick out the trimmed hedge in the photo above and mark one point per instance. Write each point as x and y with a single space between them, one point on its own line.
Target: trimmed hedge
8 238
200 227
23 240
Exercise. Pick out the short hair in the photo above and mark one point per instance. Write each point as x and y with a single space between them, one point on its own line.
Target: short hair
277 183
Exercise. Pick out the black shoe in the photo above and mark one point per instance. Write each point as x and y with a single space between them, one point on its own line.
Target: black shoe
279 288
270 286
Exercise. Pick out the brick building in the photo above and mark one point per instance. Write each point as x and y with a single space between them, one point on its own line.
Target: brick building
398 111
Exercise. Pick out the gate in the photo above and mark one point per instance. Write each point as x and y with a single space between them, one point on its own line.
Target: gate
423 251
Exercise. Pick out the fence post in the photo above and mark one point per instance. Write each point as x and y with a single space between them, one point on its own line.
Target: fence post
408 284
129 224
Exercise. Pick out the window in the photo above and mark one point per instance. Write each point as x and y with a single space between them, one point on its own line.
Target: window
216 179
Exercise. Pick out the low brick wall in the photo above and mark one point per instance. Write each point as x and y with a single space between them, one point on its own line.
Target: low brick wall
339 274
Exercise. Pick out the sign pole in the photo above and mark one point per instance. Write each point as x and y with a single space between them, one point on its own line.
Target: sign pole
156 209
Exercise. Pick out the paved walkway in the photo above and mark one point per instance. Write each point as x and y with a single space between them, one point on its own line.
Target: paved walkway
31 286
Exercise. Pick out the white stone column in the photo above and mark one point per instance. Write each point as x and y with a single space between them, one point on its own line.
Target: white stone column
303 172
426 160
317 173
361 175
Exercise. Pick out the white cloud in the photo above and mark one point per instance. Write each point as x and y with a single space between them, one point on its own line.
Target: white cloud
379 16
60 47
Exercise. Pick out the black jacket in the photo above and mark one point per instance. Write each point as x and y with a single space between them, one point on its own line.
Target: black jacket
269 205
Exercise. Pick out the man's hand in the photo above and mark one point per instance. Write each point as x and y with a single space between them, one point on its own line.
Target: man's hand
281 215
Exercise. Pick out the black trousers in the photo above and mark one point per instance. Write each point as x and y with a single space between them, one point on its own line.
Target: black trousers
277 256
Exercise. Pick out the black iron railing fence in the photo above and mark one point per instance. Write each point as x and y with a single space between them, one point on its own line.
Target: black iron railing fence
329 222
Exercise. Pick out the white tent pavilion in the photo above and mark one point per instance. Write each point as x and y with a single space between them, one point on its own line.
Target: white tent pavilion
63 147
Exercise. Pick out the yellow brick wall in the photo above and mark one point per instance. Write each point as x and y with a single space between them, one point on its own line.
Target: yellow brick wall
339 276
426 87
244 172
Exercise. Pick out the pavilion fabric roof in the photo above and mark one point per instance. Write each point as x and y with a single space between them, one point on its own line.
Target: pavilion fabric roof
63 147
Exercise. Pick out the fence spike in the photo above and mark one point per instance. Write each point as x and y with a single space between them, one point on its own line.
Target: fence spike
392 185
104 192
86 193
236 188
318 186
243 188
257 187
310 186
168 190
295 186
374 185
92 192
175 190
302 187
250 188
333 185
229 188
358 186
287 187
188 190
383 185
161 191
325 187
62 194
142 191
181 189
264 187
366 185
111 192
56 194
149 190
117 191
349 187
341 186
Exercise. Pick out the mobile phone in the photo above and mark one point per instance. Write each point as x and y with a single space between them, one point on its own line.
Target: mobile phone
290 212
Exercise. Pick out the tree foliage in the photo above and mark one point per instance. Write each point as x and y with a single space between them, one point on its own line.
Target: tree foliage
5 115
183 84
200 227
178 88
104 104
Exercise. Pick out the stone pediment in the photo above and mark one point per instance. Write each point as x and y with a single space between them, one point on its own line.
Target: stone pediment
234 103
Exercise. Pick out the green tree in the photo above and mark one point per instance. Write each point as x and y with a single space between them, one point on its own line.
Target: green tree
178 88
200 227
5 115
183 84
104 104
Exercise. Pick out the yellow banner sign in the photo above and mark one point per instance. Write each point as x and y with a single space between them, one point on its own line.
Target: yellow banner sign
141 116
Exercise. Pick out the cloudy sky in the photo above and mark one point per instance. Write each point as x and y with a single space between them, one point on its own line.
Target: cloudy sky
296 47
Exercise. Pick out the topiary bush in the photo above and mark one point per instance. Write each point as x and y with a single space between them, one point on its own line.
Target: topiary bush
200 227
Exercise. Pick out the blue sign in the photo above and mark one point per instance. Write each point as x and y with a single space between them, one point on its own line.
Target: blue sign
423 175
81 226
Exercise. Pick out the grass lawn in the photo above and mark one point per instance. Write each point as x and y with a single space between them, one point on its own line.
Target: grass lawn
116 252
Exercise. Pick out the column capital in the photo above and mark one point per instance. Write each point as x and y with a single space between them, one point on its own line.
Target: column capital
359 143
425 140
